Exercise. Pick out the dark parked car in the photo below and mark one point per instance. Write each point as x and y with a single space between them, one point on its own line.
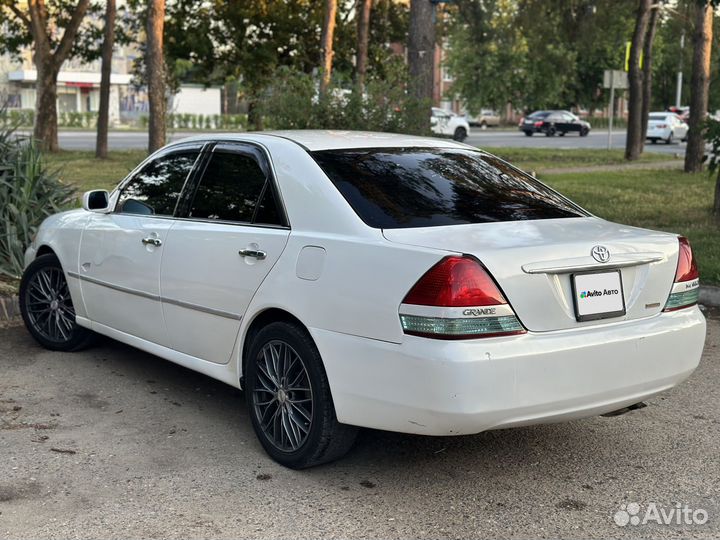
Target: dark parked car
553 122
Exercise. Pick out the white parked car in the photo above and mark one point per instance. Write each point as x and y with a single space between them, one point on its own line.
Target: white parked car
666 126
449 124
348 279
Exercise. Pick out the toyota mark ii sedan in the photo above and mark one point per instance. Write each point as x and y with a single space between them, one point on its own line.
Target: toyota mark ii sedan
347 279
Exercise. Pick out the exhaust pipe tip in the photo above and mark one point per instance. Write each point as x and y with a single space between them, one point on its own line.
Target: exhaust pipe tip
633 407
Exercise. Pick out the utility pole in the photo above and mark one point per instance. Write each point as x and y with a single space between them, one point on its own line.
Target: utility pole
678 90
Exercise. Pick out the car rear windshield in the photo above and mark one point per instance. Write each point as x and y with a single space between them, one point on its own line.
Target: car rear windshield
392 188
657 117
539 114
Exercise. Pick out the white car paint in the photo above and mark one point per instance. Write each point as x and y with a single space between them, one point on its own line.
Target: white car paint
192 299
665 126
447 123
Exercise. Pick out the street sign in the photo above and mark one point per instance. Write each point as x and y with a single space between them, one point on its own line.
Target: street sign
616 78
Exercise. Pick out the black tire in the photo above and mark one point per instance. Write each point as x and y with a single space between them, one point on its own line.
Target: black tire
47 308
326 439
528 133
653 141
584 132
550 131
561 133
460 134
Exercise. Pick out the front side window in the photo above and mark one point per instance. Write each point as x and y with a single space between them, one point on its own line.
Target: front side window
230 190
155 190
391 188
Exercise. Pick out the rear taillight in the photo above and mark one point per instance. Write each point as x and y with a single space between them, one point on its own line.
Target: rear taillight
686 288
661 126
538 124
457 299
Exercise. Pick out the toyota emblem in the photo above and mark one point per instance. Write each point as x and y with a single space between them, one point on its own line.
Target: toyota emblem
600 254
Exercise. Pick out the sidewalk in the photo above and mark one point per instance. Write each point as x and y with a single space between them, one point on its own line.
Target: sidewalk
646 165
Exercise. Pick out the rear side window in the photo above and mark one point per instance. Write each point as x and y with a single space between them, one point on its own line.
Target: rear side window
231 189
156 188
391 188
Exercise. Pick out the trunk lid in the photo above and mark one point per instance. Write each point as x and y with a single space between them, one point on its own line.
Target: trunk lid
534 261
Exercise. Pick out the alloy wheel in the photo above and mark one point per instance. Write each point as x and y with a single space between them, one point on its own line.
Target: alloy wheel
49 306
282 396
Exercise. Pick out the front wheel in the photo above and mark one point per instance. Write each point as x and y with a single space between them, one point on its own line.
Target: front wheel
47 308
584 132
289 400
460 134
550 132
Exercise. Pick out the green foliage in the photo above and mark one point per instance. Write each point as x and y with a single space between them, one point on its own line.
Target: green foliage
29 192
292 102
712 136
535 53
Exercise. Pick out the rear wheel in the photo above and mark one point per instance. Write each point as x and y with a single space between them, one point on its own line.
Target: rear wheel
460 134
289 400
550 131
528 133
47 308
653 141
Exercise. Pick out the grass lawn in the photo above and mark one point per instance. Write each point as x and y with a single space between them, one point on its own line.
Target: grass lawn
538 159
85 172
657 199
666 200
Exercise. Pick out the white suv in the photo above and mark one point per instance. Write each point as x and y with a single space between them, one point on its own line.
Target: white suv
449 124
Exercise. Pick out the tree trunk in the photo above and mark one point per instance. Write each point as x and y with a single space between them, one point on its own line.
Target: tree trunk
421 52
326 45
155 66
363 31
101 146
633 143
699 87
45 131
647 72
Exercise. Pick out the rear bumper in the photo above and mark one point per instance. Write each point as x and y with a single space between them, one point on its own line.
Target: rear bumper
436 387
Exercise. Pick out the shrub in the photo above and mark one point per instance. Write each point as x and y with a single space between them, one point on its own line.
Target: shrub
29 193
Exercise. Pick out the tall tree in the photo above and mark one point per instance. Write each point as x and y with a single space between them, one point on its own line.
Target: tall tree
648 69
421 51
363 33
155 68
101 144
634 139
326 45
33 19
699 85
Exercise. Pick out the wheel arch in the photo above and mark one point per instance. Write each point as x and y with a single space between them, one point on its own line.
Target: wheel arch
260 320
45 249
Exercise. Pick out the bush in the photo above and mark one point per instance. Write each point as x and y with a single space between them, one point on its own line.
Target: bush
292 102
29 193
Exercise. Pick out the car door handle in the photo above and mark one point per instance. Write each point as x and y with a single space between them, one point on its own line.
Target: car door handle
152 241
255 253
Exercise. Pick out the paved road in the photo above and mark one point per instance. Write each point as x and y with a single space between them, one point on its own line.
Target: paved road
123 140
162 452
596 139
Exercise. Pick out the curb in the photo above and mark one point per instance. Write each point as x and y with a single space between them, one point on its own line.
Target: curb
9 308
709 295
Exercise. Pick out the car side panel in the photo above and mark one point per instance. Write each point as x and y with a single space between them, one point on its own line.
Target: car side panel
62 234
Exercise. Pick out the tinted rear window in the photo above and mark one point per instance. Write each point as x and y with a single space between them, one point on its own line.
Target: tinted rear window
539 114
393 188
657 117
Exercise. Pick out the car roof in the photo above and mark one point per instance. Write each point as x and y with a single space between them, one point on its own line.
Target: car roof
314 140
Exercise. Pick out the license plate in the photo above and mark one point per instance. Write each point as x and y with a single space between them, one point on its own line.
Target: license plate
598 295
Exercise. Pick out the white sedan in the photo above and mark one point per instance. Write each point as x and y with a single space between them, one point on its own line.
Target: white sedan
666 126
449 124
348 279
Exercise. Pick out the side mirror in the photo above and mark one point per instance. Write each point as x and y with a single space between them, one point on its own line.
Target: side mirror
97 201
